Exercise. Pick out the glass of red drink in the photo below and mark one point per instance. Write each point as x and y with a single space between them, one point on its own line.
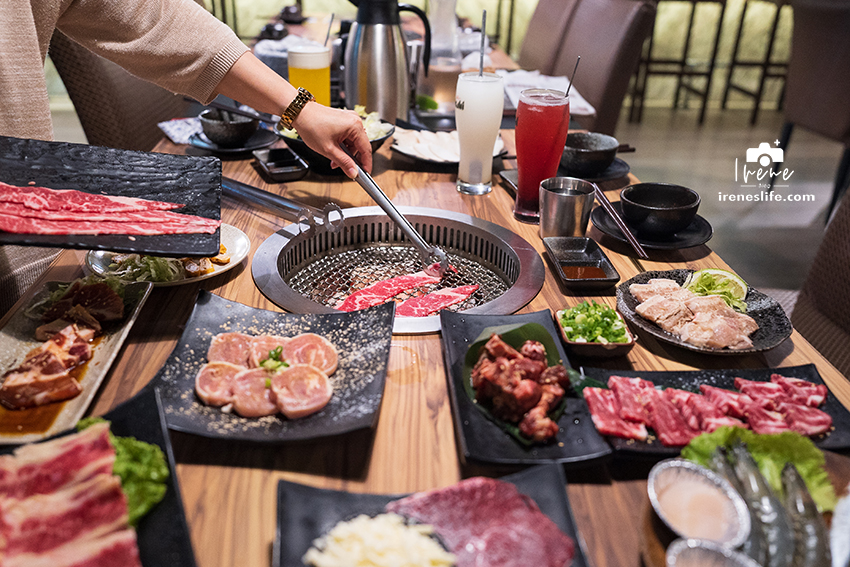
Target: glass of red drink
542 121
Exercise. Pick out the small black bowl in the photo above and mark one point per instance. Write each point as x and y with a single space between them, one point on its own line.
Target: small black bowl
232 132
659 209
318 162
588 154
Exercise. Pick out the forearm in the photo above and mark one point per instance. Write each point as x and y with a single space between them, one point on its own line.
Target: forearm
251 82
324 129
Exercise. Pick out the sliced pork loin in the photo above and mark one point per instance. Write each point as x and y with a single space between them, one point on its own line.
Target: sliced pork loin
487 522
301 390
661 287
252 393
214 382
234 348
703 321
668 313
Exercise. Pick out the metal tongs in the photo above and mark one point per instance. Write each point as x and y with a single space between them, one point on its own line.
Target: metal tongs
435 260
330 218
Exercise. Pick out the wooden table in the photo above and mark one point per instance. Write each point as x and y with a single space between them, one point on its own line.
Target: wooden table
229 489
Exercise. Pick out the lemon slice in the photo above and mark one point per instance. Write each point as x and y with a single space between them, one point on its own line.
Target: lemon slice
726 279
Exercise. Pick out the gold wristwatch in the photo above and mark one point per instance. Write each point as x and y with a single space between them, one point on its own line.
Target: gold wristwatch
294 109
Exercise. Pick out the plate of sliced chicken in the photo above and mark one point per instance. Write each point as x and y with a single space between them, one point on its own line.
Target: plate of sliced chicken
656 303
433 147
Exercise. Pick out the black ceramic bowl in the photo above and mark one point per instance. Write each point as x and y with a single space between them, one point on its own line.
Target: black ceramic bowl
318 162
659 209
230 133
588 154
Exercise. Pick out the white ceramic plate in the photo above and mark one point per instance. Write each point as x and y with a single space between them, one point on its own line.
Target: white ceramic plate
236 242
433 147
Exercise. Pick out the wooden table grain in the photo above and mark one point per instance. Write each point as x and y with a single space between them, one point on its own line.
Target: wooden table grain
229 489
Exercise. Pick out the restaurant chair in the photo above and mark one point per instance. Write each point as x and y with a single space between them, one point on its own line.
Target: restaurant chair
682 67
115 108
545 34
609 35
818 80
820 311
766 67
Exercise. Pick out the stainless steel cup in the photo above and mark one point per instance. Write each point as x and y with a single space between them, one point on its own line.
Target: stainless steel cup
565 205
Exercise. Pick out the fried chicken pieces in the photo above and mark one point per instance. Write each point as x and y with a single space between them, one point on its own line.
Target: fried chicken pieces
520 386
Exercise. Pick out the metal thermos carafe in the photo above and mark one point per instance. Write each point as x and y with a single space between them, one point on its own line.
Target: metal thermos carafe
376 74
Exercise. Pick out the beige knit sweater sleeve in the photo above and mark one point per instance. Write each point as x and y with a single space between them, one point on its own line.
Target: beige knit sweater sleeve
174 43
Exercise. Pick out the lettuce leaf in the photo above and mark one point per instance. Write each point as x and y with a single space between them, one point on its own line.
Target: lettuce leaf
771 452
142 469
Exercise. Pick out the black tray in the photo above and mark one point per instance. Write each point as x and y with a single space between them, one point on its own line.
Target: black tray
361 337
482 441
305 513
162 534
566 251
837 440
193 181
774 326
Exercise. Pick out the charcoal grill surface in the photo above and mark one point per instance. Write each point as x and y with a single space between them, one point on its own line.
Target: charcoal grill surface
313 273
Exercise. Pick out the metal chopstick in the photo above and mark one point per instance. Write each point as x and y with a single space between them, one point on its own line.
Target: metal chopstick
435 259
618 220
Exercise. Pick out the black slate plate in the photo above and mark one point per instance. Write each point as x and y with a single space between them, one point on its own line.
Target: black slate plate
193 181
616 170
698 232
836 440
567 251
305 513
362 339
262 138
482 441
774 326
163 535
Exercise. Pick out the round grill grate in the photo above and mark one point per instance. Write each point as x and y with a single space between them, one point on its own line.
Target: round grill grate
313 272
329 280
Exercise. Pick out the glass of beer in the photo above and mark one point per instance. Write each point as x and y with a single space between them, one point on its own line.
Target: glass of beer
479 101
310 67
542 121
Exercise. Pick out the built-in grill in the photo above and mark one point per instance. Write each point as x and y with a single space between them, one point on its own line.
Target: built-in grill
314 271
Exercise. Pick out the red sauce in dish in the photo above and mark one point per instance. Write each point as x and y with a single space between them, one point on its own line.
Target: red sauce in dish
583 272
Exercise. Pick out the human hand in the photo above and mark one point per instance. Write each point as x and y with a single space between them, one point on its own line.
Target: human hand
325 129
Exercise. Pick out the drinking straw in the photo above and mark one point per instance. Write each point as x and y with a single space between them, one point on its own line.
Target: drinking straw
483 39
328 36
573 77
